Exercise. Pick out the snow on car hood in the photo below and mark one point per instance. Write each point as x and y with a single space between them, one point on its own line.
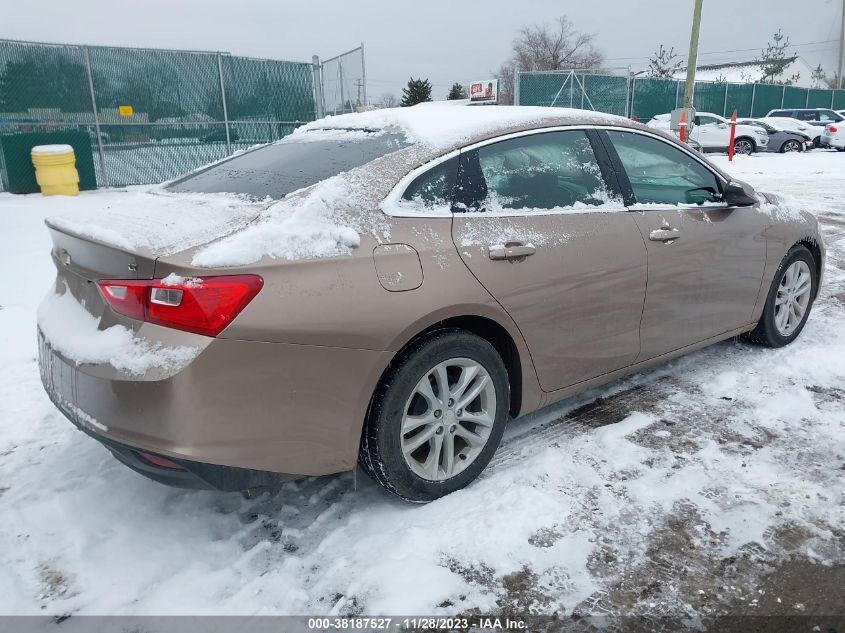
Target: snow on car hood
441 125
153 220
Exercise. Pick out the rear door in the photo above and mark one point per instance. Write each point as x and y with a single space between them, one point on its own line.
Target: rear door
539 223
705 259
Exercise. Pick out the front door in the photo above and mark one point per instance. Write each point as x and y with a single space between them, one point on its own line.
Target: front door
705 259
539 227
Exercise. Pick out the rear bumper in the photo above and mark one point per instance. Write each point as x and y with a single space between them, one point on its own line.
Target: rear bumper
255 408
831 141
188 474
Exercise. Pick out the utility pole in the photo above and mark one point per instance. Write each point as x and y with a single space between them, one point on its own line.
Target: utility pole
841 44
692 60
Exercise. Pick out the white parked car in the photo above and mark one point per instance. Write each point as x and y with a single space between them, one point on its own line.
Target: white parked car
788 123
834 136
713 133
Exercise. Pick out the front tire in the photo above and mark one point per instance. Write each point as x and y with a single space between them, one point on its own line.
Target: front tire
437 418
789 301
790 146
744 146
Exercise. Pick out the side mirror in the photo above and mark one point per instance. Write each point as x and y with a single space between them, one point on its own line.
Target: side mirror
723 126
739 194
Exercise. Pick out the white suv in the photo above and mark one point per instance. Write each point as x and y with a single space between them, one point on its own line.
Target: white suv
713 133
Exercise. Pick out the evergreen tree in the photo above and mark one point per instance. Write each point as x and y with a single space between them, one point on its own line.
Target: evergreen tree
819 78
457 92
773 59
664 64
417 91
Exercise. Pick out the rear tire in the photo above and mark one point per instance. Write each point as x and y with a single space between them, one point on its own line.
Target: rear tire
423 440
777 327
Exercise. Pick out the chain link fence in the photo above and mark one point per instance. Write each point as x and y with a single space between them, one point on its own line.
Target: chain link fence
605 90
643 97
154 114
342 82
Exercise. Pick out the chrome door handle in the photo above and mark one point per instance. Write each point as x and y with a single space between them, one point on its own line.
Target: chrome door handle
513 251
664 235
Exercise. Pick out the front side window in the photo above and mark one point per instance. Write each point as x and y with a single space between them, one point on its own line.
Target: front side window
540 172
662 174
807 115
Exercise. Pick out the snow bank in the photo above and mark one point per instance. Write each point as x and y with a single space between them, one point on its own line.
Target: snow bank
152 219
75 333
440 125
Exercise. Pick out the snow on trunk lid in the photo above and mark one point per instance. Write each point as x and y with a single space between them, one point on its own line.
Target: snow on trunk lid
152 222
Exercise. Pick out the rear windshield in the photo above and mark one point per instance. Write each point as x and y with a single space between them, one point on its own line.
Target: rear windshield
290 164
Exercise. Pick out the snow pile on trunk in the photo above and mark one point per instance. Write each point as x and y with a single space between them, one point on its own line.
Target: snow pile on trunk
152 219
442 125
299 226
75 333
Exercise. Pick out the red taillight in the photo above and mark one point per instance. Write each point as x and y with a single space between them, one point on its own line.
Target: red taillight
832 128
204 305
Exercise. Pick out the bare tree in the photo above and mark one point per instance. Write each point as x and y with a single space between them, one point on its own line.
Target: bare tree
387 100
556 46
664 63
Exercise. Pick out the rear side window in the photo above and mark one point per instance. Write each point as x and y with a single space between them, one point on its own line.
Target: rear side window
807 115
662 174
539 172
434 187
294 163
781 113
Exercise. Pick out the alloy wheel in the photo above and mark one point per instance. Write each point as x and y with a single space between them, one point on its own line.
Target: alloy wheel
448 418
792 146
743 147
793 297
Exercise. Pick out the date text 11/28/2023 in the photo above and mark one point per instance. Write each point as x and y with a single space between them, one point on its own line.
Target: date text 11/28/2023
417 624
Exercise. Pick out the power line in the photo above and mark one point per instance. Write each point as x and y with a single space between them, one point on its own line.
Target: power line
733 50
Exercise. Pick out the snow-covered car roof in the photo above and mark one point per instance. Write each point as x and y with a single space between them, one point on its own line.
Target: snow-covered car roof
446 125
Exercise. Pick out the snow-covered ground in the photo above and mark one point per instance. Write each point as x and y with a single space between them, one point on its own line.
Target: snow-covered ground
670 492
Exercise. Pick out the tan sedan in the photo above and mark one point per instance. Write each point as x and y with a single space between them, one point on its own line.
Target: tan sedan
467 281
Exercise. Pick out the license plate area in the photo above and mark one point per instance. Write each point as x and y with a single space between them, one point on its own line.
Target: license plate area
57 376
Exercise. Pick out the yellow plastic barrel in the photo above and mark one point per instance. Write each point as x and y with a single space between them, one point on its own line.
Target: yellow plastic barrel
55 170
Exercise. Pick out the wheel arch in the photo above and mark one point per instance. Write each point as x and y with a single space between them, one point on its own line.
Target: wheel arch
497 329
812 245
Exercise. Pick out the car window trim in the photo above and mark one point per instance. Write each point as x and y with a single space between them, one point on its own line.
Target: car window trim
391 204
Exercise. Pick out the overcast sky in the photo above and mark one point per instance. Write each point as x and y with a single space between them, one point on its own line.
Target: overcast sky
443 40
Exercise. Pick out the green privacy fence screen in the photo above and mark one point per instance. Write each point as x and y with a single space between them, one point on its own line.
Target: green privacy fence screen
643 97
151 114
